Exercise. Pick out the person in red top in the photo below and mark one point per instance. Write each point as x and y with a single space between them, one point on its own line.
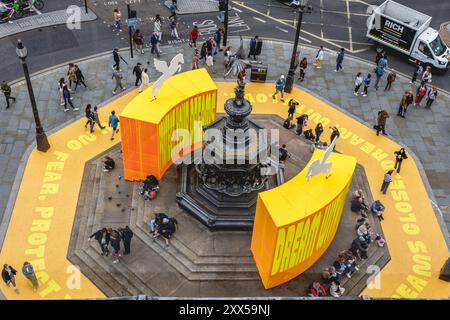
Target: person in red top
317 290
193 36
420 93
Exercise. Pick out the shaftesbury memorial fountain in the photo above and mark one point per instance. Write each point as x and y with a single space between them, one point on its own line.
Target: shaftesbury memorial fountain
221 189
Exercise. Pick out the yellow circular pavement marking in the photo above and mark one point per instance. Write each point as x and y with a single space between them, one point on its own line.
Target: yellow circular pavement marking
41 223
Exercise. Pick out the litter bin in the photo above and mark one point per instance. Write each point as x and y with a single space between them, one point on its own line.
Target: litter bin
258 73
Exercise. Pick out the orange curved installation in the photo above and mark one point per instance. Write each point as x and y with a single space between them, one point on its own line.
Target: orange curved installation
296 222
186 101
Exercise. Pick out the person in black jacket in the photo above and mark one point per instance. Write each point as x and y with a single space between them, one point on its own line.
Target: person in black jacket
115 244
126 235
137 71
9 276
400 155
319 131
80 78
103 238
253 43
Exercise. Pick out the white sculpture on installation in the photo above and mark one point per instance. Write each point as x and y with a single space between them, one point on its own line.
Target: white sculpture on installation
321 165
167 71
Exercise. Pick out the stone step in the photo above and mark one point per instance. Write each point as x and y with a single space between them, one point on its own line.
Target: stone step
245 263
192 272
99 282
123 269
119 286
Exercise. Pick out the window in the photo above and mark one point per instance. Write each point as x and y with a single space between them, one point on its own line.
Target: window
438 46
425 50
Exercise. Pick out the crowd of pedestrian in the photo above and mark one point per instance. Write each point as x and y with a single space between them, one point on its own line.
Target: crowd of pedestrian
111 240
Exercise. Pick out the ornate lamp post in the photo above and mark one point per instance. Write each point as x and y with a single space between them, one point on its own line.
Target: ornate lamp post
41 137
86 6
291 74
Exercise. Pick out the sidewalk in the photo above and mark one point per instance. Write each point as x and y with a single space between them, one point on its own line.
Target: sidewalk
195 6
43 20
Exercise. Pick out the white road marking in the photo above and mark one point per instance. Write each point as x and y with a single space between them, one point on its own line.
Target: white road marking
236 9
256 18
281 29
351 13
348 23
345 41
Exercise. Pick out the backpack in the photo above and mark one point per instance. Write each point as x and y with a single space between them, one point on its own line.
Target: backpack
379 71
309 135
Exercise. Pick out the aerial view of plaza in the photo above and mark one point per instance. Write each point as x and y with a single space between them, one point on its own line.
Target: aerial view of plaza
228 150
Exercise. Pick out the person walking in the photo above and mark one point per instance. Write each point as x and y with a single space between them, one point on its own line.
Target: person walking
71 76
145 80
378 56
379 71
426 76
154 43
218 40
173 11
90 118
137 72
9 277
117 57
339 60
292 106
173 28
61 85
303 65
386 181
115 244
420 94
400 155
117 19
103 238
210 63
318 130
279 87
366 83
358 83
118 76
97 118
381 122
193 36
390 79
157 25
80 78
210 46
195 60
127 235
432 95
418 70
138 40
113 122
334 134
252 51
404 103
319 58
28 272
67 99
6 89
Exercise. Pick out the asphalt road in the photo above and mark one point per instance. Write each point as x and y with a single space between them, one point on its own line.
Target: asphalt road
332 23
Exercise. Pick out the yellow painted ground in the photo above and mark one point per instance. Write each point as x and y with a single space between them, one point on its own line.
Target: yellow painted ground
42 219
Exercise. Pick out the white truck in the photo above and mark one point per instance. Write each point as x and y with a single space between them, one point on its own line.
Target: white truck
407 30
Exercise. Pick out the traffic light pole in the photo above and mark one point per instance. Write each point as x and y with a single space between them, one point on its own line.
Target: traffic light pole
225 25
85 6
291 74
130 35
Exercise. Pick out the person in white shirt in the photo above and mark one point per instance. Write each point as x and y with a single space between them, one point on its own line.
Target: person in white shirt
210 62
358 83
157 27
319 58
145 80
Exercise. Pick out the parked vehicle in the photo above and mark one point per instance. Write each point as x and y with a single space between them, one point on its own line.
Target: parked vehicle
407 31
22 7
6 13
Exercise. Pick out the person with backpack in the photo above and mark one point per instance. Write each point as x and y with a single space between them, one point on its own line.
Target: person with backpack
432 95
420 94
366 83
28 272
319 58
358 83
339 60
138 40
292 106
390 79
279 87
379 71
303 65
126 234
193 36
381 122
6 89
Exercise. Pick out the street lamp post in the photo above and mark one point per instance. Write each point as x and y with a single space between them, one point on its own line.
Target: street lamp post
225 24
85 6
41 137
291 74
